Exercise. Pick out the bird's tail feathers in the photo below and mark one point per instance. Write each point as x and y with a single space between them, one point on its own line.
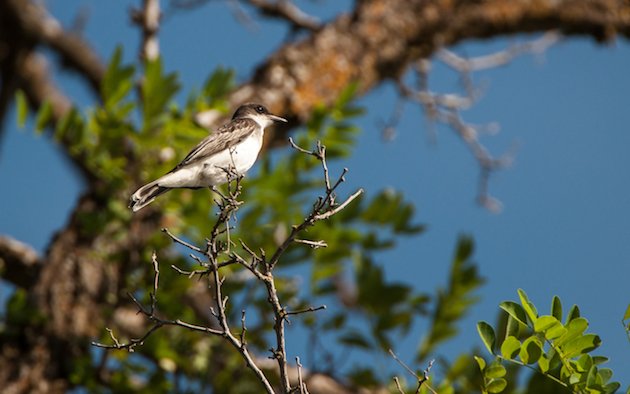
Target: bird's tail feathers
145 195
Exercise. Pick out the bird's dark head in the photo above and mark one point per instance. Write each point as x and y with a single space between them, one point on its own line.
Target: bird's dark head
257 112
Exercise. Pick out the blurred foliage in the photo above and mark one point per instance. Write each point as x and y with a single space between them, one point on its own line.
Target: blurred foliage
139 132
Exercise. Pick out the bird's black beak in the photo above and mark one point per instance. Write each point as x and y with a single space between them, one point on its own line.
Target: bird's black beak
277 118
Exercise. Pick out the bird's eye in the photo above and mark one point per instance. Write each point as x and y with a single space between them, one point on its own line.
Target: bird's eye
260 109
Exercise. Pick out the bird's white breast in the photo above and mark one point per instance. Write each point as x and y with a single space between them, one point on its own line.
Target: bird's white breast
212 170
241 157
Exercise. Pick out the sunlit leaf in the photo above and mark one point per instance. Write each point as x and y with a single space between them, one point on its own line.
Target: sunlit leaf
550 326
531 350
481 362
515 310
556 308
575 329
496 385
528 306
117 81
486 332
574 313
495 370
510 347
44 116
581 345
21 105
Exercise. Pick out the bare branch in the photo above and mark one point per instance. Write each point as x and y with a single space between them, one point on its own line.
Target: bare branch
312 244
19 263
446 108
421 379
182 242
307 310
34 21
286 10
500 58
148 19
301 384
327 214
398 386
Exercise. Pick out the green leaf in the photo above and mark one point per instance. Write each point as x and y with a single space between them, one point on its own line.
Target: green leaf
117 81
575 378
531 350
158 90
511 326
21 105
584 363
580 345
626 315
605 374
218 85
486 332
510 347
514 310
481 362
545 322
556 308
591 378
575 329
44 115
495 370
544 363
612 387
454 300
574 313
496 385
528 306
550 326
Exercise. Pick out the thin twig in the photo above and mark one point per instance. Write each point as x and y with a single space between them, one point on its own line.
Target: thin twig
301 384
156 281
286 10
312 244
309 309
446 108
327 214
420 379
181 241
398 386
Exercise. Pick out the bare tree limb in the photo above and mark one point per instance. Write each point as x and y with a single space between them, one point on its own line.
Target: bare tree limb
381 39
34 21
19 263
286 10
148 19
420 379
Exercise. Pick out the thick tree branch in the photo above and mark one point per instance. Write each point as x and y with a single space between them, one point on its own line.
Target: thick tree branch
19 263
381 39
35 22
148 19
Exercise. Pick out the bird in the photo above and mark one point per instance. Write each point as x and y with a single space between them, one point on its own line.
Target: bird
232 148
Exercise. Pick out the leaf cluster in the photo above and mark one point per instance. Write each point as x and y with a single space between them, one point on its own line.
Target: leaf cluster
560 351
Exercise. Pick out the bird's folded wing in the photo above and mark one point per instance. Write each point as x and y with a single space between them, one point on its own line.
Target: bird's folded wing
227 136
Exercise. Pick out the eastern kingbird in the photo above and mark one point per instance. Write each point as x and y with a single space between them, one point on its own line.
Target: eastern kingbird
234 147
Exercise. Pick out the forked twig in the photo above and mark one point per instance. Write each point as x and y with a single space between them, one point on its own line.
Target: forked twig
218 254
420 379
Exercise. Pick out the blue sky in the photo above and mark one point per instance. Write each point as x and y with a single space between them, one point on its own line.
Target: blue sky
564 229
